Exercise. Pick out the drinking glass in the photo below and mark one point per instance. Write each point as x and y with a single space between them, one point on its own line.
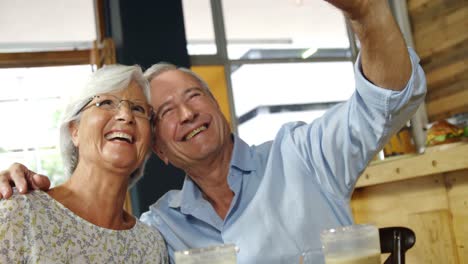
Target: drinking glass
355 244
221 254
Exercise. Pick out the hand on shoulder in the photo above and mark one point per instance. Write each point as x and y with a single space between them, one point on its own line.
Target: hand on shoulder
23 179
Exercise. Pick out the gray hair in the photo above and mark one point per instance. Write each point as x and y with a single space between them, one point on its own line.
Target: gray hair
162 67
110 78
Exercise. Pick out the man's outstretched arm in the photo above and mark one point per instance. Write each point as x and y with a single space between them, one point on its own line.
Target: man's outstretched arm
384 54
23 178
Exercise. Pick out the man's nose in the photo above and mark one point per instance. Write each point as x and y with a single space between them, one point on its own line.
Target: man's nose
186 113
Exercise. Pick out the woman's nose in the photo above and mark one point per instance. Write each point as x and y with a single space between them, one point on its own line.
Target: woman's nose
124 112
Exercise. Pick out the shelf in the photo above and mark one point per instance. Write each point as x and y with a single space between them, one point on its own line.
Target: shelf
438 159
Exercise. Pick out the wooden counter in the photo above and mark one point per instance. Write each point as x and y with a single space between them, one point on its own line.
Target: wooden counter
427 193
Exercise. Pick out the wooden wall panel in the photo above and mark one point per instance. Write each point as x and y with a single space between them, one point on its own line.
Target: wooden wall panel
434 34
398 204
440 33
427 193
435 237
449 104
457 185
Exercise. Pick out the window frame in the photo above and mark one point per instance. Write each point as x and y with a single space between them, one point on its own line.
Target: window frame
221 57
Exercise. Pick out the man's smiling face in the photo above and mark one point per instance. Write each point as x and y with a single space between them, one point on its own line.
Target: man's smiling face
189 125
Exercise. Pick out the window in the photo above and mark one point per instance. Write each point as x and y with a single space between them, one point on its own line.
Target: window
199 27
30 111
291 83
269 95
46 25
263 29
31 99
286 60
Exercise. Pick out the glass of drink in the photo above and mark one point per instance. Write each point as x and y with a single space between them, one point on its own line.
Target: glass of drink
355 244
221 254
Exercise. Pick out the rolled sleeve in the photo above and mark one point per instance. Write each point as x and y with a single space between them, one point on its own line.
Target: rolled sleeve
388 100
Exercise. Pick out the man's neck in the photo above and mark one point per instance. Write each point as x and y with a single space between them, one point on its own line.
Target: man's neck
211 178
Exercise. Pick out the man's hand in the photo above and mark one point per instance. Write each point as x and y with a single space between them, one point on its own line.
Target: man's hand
384 56
18 175
353 9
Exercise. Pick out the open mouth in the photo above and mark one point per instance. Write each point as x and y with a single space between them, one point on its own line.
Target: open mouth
195 132
121 136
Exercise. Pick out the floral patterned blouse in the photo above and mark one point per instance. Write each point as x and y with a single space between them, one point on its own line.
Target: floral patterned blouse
35 228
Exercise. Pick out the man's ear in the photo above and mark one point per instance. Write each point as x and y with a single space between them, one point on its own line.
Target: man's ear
216 102
73 129
159 152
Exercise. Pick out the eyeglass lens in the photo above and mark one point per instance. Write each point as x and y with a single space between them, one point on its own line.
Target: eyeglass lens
110 102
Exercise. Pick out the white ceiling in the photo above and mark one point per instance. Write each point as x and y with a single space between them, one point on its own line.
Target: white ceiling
49 21
36 21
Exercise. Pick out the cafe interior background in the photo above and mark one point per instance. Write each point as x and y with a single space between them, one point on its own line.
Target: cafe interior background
268 62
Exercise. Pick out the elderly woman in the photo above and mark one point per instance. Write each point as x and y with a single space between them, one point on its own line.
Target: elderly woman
105 137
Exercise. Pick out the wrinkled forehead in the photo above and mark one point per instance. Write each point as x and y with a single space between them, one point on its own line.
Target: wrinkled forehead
132 91
171 84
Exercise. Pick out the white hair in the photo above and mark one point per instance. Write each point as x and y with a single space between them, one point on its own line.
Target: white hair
162 67
110 78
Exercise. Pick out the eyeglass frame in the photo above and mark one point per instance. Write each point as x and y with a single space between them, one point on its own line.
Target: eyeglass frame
98 104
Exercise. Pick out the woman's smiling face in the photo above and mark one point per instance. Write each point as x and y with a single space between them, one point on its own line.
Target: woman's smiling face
117 138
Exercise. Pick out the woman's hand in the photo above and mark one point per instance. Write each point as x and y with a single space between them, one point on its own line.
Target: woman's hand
23 178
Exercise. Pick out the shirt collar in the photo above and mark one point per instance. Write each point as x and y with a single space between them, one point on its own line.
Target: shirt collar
242 158
190 195
187 195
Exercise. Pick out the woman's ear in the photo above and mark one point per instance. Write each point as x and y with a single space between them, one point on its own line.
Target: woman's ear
73 129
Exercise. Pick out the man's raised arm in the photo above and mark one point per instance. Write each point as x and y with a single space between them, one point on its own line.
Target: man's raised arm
21 177
384 54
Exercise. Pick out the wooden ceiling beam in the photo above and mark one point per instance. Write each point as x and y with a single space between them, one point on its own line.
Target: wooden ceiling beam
49 58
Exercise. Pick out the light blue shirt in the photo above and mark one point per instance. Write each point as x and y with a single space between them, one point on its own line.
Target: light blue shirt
289 189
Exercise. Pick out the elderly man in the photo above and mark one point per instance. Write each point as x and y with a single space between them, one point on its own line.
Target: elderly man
273 200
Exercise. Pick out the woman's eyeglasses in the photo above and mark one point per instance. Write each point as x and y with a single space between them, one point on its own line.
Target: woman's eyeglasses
112 103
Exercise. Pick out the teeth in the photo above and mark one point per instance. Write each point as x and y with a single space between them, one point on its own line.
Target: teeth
194 132
114 135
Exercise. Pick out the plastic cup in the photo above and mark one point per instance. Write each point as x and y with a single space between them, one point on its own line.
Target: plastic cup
222 254
355 244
